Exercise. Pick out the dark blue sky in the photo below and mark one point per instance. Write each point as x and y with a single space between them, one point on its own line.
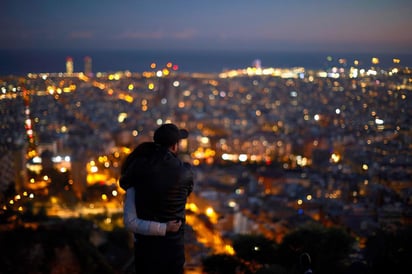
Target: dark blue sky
373 26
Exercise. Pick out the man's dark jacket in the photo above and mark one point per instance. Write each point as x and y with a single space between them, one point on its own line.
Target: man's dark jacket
162 183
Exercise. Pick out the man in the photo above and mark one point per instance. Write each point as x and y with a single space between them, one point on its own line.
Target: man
131 222
162 183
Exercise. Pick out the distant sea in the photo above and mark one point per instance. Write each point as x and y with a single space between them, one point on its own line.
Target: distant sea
21 62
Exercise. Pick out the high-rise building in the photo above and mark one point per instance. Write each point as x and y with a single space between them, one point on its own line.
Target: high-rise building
88 66
69 65
8 174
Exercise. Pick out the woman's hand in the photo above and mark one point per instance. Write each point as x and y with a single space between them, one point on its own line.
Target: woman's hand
173 226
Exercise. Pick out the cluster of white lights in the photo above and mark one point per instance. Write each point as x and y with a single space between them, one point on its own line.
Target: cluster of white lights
234 157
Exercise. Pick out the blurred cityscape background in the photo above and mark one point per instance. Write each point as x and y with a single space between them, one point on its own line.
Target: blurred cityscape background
287 160
299 115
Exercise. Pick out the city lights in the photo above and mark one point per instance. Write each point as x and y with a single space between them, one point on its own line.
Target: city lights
267 144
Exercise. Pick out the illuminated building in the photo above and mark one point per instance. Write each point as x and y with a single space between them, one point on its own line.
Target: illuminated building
17 141
166 96
69 65
13 173
88 66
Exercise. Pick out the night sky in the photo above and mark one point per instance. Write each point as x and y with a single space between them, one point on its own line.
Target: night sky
293 25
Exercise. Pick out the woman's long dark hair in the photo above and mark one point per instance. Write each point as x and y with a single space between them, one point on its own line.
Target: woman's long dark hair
144 149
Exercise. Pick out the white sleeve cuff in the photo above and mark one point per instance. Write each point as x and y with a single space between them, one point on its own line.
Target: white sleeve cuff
136 225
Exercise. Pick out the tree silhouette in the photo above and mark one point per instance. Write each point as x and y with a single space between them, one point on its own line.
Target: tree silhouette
327 247
223 264
255 249
390 251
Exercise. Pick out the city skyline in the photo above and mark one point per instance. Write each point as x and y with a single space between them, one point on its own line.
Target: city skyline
271 153
346 26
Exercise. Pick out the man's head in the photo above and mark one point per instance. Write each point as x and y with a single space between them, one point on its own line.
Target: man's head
168 135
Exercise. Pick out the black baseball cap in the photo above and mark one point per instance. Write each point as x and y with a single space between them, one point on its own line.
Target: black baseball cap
169 134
